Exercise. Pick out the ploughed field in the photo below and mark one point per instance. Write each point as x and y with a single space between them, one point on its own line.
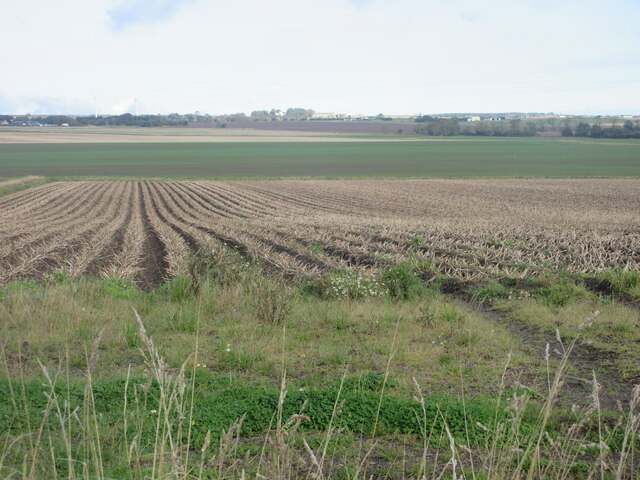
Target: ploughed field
146 231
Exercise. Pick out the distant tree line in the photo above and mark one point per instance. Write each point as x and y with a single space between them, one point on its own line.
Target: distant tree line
125 119
628 129
437 126
459 126
593 127
293 114
170 120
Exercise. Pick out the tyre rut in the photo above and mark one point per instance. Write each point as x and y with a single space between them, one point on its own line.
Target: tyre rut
583 359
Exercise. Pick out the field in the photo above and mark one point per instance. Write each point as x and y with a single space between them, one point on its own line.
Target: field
145 231
25 135
366 127
284 157
349 329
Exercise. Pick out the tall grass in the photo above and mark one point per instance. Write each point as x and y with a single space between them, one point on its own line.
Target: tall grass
152 437
16 184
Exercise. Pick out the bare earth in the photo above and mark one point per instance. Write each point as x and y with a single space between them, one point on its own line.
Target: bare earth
465 228
170 135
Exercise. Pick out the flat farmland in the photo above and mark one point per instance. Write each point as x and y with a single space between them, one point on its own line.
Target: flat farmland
433 158
470 229
369 301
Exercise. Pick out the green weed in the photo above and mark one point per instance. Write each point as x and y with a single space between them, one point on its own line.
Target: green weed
492 290
560 294
401 282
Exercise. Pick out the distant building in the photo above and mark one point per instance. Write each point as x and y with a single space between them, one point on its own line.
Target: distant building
323 116
494 118
474 118
4 122
329 116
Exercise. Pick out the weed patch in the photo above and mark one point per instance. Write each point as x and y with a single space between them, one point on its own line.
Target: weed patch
491 291
401 282
346 284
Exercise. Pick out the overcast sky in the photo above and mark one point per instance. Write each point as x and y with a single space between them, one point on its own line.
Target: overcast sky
352 56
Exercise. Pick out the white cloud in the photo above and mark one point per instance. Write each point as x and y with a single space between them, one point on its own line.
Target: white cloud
125 105
42 105
369 56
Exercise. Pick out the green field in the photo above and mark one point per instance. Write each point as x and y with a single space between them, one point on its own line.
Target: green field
504 157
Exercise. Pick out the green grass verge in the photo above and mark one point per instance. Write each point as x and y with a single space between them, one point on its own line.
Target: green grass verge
349 356
15 185
248 326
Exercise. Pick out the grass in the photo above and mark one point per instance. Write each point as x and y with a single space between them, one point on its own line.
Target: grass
559 302
229 373
21 183
492 290
219 401
189 423
456 158
615 333
622 282
238 337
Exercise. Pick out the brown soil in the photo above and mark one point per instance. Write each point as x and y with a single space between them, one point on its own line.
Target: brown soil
210 135
154 265
466 229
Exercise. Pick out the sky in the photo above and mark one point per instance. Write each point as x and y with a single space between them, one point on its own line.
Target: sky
342 56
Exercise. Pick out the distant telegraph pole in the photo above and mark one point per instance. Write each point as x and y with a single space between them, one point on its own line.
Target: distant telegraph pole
136 106
95 105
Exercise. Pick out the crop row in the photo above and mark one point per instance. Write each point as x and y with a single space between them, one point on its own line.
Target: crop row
145 231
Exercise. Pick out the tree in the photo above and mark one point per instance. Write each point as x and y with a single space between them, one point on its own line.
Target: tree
514 128
628 125
236 117
59 120
567 132
443 127
298 114
260 115
595 131
582 130
424 118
